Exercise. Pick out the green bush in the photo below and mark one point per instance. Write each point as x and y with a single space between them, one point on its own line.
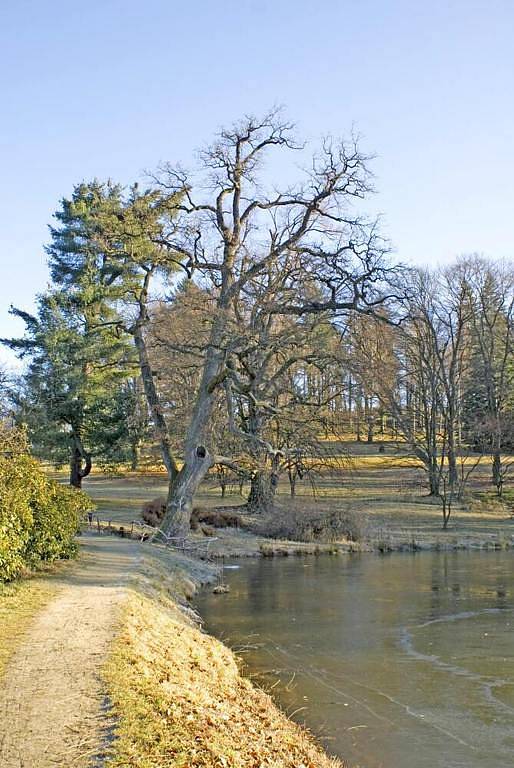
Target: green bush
16 519
38 517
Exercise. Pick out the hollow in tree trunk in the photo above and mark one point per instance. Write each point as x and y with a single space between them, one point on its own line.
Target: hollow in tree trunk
176 521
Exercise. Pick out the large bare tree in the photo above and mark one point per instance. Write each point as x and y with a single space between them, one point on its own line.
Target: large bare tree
231 229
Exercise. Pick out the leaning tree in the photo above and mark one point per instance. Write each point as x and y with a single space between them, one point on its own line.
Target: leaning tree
231 227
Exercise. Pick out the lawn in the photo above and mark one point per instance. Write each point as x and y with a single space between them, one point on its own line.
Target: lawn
388 491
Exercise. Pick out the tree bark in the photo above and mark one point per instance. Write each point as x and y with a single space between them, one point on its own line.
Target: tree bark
262 492
135 451
177 520
497 471
434 478
152 397
197 458
80 463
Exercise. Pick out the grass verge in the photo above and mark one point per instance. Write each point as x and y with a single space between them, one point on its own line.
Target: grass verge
179 700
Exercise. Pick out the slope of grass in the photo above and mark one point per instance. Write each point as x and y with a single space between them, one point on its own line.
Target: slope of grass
178 698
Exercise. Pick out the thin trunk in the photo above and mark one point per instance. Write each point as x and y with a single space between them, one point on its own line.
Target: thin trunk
497 461
434 479
292 482
497 471
154 405
135 455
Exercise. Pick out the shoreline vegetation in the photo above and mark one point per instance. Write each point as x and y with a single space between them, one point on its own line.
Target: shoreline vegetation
381 505
179 696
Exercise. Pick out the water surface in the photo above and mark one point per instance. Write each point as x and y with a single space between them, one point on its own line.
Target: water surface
403 661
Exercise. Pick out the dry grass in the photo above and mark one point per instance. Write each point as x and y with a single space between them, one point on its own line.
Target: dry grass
179 700
388 491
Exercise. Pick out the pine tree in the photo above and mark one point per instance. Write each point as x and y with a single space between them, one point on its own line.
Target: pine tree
79 355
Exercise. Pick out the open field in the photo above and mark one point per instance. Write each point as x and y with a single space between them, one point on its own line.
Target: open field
387 492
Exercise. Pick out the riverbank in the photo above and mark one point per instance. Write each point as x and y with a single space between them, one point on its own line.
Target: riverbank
177 695
172 695
104 663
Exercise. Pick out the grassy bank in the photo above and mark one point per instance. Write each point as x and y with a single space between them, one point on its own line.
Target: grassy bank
177 694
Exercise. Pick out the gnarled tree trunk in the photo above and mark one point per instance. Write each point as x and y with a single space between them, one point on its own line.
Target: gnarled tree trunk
262 491
197 458
176 521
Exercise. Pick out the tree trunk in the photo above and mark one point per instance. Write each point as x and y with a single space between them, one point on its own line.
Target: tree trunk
176 521
292 483
262 491
452 447
434 479
497 471
197 459
152 397
80 463
135 451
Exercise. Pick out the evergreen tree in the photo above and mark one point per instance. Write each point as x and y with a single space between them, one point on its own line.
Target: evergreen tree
79 356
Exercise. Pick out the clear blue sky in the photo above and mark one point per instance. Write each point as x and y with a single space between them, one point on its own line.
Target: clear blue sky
108 88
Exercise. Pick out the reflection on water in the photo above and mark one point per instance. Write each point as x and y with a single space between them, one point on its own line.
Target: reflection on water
404 661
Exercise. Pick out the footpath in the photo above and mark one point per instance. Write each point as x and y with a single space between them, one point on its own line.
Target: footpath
52 711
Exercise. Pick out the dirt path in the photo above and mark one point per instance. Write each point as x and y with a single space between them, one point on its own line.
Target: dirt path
51 694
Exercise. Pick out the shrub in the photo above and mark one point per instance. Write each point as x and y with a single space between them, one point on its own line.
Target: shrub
57 513
38 517
15 519
217 518
153 511
290 521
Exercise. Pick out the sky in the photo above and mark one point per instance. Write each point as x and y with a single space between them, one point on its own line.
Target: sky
109 89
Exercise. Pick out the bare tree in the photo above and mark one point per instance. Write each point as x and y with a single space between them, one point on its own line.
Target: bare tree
419 377
331 259
490 387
